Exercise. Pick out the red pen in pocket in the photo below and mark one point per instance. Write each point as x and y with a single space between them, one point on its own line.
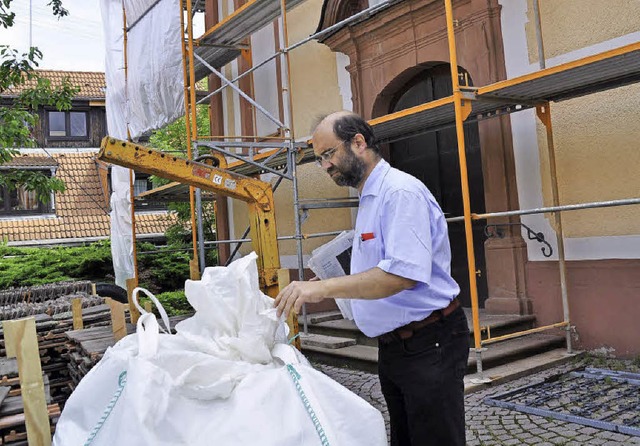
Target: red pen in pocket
367 236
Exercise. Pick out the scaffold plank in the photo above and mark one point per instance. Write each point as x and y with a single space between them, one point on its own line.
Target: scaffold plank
610 69
221 43
600 72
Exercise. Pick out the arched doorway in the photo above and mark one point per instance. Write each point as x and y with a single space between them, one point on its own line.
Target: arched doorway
433 159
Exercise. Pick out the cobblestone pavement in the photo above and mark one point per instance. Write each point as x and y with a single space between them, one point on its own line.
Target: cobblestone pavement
489 426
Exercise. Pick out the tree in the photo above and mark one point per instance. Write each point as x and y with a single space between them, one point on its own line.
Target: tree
18 117
173 138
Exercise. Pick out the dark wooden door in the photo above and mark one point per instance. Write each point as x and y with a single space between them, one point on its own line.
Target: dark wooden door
433 159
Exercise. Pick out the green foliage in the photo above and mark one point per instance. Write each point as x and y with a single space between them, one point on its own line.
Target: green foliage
37 266
174 302
16 68
7 17
18 119
163 269
32 180
58 10
179 234
173 138
14 132
159 272
45 94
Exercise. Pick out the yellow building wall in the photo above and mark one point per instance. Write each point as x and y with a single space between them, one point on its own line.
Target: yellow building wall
569 25
597 137
315 93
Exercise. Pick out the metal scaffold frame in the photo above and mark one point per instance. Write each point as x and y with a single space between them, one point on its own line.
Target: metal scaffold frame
295 152
585 76
543 111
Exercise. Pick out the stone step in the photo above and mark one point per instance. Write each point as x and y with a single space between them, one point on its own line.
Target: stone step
474 382
365 357
340 328
326 342
360 357
513 349
324 316
497 325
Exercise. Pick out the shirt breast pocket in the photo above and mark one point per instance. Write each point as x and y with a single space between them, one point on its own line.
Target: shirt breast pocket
369 252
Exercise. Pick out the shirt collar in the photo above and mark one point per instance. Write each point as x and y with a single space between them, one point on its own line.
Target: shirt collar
373 183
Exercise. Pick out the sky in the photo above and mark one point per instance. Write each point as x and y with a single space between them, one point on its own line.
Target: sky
73 43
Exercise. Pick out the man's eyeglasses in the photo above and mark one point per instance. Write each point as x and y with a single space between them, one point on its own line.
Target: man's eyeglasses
327 154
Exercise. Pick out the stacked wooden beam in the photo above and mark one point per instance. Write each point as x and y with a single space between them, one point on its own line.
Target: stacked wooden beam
49 299
86 347
54 355
12 418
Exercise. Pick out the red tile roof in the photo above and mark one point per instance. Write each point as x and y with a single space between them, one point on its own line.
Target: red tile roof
92 84
22 161
81 211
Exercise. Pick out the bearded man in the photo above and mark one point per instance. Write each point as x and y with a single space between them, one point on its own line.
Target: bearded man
400 284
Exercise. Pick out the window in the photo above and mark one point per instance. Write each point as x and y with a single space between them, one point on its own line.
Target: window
73 124
142 184
20 201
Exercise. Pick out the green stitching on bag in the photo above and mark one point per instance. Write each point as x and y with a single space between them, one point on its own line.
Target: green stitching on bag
295 376
122 380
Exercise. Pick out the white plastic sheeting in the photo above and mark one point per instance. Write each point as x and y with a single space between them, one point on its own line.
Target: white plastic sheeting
149 97
155 80
121 231
153 93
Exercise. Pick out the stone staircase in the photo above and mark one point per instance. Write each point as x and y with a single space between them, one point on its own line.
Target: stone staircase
336 341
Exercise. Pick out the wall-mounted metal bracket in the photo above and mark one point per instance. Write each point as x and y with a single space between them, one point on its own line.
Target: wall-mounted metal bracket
498 230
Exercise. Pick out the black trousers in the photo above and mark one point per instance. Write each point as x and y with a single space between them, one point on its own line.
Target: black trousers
422 382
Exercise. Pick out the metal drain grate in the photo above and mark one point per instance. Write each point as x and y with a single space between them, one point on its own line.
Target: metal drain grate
604 399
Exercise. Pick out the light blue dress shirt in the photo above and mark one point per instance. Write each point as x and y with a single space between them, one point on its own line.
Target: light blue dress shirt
401 229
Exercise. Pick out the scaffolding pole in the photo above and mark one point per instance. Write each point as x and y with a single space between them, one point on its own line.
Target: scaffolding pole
539 40
545 210
188 77
226 82
286 49
544 114
262 165
287 101
462 111
461 100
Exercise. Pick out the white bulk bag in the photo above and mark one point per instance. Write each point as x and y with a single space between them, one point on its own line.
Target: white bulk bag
223 379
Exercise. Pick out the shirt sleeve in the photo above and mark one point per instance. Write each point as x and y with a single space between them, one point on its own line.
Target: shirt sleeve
406 233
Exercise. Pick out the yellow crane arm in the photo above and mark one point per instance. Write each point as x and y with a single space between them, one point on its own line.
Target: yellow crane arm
257 194
193 173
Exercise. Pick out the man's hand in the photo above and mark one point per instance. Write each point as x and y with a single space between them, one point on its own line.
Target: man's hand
297 293
371 284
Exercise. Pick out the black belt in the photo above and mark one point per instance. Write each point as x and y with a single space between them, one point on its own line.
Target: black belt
406 331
